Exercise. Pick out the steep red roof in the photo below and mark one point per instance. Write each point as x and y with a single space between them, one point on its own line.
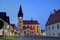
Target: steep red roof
30 22
54 18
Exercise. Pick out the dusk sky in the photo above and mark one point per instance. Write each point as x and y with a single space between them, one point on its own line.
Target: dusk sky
37 9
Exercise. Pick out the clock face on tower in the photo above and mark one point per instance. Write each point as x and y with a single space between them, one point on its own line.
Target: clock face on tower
20 18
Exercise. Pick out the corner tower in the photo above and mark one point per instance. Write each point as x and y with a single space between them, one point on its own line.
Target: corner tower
20 18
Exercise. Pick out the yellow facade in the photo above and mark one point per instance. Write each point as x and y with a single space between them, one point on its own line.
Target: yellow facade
36 31
10 33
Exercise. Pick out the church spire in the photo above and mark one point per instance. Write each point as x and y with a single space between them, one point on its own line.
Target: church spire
20 13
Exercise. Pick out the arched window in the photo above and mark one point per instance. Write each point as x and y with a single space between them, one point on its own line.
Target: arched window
33 27
24 27
27 26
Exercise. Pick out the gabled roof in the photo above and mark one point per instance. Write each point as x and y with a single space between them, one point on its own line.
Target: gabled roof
54 18
30 22
3 15
7 19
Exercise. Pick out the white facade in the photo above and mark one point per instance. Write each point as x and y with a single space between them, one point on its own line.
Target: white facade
53 30
5 29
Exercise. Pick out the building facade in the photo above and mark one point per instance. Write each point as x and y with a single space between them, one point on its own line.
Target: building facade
12 30
53 24
4 24
31 27
43 33
27 27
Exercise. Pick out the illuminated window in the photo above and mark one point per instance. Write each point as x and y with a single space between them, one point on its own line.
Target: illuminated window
27 26
33 27
37 29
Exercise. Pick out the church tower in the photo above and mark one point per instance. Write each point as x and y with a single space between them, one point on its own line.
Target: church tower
20 19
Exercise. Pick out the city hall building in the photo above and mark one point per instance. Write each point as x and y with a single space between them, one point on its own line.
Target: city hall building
27 27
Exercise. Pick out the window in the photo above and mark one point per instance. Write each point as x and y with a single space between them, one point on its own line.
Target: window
53 34
24 32
49 28
24 27
27 30
58 34
57 26
27 26
27 34
33 27
20 25
20 21
52 27
46 28
37 29
31 32
49 34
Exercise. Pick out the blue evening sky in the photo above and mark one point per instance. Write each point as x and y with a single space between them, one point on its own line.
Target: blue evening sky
37 9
